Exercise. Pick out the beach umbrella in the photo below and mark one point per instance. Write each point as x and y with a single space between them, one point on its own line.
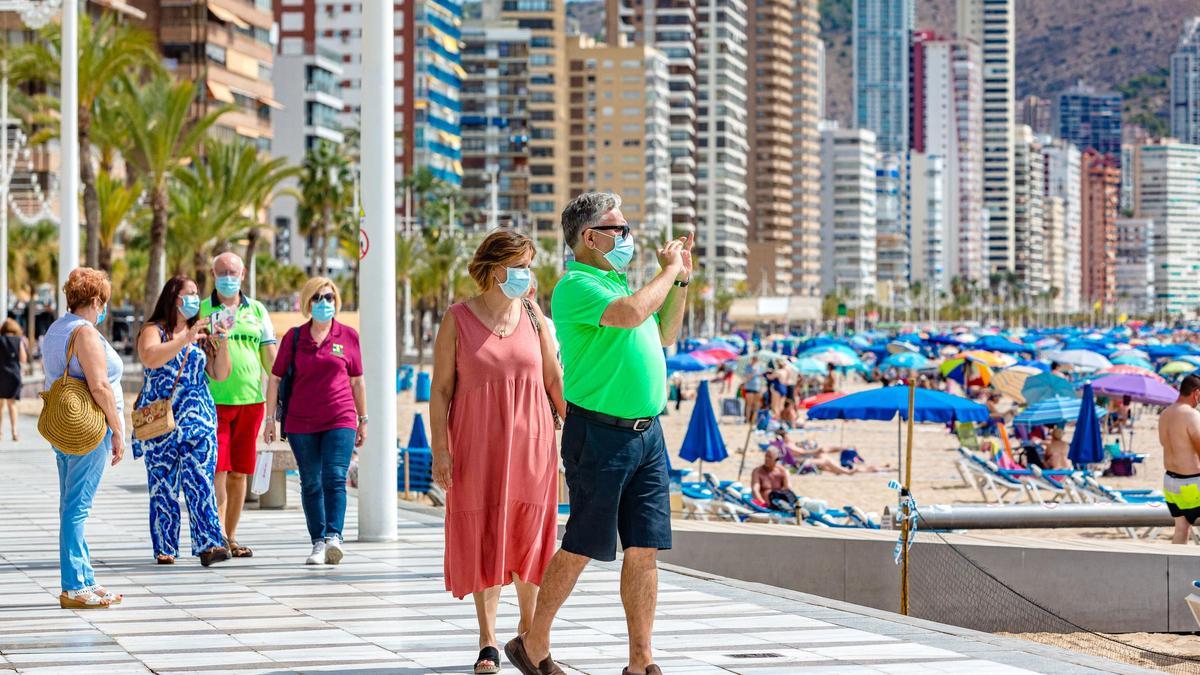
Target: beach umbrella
995 343
1131 370
957 368
703 441
1190 358
807 365
818 399
1010 381
991 359
417 438
1055 410
1167 351
1086 445
906 361
1040 365
1177 368
1136 387
1044 386
1124 354
898 347
1083 359
839 359
763 356
685 363
722 344
1124 359
719 353
886 403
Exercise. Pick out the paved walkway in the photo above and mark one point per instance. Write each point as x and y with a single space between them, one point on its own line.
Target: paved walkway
384 609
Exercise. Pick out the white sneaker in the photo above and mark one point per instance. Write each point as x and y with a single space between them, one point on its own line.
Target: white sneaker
333 551
318 555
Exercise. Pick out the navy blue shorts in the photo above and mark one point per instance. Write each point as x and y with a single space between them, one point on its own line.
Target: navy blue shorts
618 485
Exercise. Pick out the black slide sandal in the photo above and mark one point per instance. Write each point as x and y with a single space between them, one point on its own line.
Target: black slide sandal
488 655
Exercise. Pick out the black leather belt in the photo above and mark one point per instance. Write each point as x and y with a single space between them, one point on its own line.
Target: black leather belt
639 424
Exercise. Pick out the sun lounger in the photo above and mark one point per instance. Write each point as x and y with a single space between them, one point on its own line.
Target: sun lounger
993 484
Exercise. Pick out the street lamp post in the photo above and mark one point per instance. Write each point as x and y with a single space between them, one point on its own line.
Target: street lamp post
377 459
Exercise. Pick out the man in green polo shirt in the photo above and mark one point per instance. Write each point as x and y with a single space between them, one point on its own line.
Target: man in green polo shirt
240 398
615 383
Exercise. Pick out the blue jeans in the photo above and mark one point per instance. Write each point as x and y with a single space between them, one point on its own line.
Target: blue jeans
78 477
323 459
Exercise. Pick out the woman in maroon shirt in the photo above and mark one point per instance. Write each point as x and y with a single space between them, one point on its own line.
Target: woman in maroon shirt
326 412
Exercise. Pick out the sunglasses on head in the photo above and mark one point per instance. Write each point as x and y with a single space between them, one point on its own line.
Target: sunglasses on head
328 297
623 229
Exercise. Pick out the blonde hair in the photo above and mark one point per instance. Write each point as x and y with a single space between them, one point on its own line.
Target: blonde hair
311 287
497 250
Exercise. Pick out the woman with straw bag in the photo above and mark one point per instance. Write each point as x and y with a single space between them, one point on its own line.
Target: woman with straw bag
175 423
75 352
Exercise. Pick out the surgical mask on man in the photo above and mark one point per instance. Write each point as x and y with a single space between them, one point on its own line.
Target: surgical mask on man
323 310
190 306
517 283
621 254
228 286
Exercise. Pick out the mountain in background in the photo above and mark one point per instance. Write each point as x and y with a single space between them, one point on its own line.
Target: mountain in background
1112 44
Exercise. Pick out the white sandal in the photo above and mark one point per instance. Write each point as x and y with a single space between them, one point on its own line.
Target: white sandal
83 598
107 595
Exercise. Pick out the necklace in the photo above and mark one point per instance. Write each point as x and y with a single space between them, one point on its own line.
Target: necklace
500 327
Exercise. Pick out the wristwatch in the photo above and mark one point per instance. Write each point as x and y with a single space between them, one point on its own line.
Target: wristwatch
684 283
362 419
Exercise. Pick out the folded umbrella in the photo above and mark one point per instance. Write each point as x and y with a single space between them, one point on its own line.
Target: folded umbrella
1087 447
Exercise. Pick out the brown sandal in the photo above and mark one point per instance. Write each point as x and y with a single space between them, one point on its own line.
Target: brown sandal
165 559
236 550
214 555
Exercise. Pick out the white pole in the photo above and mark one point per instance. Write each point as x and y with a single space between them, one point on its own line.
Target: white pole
68 175
5 180
377 459
408 315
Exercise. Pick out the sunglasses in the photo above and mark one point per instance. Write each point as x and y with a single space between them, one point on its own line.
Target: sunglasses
623 229
328 297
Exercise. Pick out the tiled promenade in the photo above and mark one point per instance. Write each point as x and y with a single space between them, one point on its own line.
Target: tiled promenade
384 610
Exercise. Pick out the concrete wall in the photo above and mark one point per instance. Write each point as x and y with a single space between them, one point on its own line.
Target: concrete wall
972 581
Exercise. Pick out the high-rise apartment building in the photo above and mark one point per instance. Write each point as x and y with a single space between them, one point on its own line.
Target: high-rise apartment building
848 213
1133 139
495 120
1029 180
931 235
1185 84
546 22
1099 197
1170 195
808 87
1037 114
990 24
618 134
309 89
670 27
1135 266
892 232
1057 254
947 123
428 73
1064 184
722 140
1090 119
224 46
882 30
769 169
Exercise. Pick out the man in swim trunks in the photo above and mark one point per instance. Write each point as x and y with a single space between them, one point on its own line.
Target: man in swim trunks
1179 433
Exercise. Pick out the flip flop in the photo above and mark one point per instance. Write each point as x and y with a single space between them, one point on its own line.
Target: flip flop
107 595
488 655
238 551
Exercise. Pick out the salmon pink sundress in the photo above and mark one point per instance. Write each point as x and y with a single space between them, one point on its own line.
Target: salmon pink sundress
502 507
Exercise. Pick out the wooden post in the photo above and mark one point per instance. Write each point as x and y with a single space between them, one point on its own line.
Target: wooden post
904 494
746 445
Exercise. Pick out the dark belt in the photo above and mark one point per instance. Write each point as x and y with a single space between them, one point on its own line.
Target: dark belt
639 424
1180 476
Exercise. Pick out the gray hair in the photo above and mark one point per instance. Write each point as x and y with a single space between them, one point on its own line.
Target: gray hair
585 211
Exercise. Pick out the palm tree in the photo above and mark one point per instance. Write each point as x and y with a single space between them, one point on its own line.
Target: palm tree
118 205
277 280
163 137
108 51
327 198
36 262
262 185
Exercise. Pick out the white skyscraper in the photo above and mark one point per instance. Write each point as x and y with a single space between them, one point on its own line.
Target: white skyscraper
931 216
990 23
1029 213
1170 195
722 147
848 213
1135 266
1185 84
1062 182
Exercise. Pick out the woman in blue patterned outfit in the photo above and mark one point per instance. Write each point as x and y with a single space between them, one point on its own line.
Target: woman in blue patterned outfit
173 340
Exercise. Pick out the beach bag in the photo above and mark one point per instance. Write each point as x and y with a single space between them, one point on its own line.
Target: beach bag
731 407
537 328
262 472
71 420
157 419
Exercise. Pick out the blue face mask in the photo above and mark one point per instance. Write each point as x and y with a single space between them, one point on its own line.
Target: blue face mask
517 284
621 254
322 310
190 306
103 315
228 286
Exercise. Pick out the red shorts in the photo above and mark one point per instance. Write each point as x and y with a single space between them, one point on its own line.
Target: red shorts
238 427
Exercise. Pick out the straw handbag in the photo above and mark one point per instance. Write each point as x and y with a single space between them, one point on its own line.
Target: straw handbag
157 419
70 418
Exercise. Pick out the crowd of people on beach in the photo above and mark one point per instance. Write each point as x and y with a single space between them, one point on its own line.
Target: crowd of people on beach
504 383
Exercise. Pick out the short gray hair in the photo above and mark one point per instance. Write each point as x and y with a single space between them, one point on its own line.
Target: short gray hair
585 211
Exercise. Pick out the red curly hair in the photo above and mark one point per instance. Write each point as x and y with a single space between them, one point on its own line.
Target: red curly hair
85 285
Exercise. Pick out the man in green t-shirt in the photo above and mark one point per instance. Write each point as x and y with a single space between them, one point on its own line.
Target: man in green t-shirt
241 397
615 383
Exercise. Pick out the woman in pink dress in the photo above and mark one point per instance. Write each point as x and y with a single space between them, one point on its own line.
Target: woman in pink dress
495 378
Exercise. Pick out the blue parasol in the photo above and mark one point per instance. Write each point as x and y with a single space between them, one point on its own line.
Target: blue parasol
887 402
1086 445
1055 410
995 343
906 361
686 363
703 441
1047 385
418 439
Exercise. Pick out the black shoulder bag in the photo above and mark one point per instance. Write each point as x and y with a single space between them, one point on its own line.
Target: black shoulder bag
285 385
